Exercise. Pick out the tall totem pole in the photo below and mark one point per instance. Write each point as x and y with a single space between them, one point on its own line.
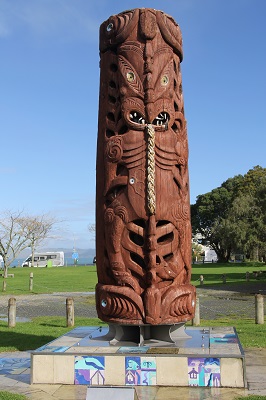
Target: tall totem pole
143 229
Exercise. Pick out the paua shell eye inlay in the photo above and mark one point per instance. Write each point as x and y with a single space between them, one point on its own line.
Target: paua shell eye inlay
130 76
164 80
110 27
103 303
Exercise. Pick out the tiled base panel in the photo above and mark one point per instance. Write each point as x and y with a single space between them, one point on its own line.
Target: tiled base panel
84 356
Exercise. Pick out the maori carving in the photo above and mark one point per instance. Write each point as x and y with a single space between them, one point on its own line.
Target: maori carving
143 231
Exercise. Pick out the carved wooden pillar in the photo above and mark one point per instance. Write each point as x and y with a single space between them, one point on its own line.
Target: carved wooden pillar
143 230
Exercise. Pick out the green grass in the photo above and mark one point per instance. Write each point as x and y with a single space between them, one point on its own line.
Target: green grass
41 330
235 273
11 396
49 280
84 278
251 397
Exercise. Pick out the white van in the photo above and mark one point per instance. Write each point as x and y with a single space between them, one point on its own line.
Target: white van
53 258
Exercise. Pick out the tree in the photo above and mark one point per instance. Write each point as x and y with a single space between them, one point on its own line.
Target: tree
251 202
209 216
197 251
13 238
232 217
36 229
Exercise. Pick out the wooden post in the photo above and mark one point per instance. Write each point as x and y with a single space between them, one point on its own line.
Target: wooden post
31 282
259 309
70 311
201 280
4 286
12 312
196 319
224 278
247 276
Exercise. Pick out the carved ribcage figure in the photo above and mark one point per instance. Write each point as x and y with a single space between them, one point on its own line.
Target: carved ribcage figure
143 231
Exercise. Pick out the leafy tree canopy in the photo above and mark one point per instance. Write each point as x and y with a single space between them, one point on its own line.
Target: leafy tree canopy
232 217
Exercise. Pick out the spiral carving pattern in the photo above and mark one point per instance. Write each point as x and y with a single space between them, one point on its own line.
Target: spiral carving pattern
114 150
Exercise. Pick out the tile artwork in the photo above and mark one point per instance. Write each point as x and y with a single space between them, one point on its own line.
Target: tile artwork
53 349
140 371
204 372
223 338
131 350
89 370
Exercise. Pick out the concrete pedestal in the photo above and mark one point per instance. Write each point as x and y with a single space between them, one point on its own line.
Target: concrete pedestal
90 356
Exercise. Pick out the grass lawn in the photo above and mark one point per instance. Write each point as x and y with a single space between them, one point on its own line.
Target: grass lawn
251 397
41 330
84 278
235 273
11 396
49 280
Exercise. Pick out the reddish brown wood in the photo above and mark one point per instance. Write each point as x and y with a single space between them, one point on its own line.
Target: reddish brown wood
143 253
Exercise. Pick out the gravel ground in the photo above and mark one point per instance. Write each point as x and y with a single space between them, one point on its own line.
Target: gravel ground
231 301
29 306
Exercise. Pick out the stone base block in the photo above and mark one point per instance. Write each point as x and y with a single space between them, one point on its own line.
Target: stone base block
86 356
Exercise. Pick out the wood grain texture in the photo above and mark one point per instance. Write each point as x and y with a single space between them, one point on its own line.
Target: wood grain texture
143 253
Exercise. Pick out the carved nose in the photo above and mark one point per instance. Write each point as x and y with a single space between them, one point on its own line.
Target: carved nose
149 112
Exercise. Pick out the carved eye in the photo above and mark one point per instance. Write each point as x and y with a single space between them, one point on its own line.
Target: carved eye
109 27
164 80
130 76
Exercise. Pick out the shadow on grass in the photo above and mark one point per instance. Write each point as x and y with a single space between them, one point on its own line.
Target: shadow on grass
251 288
22 341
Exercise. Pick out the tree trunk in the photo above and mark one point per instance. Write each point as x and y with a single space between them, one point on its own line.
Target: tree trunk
5 270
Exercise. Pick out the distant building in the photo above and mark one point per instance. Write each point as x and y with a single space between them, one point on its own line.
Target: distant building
208 254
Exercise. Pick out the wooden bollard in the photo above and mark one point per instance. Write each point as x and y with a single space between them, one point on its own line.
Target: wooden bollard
31 282
224 278
4 286
259 309
201 280
247 276
196 319
12 312
70 311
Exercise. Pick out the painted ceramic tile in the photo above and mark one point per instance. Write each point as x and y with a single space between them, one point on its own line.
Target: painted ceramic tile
148 371
53 349
140 371
204 372
132 350
89 370
224 338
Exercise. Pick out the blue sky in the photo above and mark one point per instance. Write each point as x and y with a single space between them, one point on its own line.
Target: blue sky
49 82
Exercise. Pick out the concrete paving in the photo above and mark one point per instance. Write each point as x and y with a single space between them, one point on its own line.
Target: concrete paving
15 377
